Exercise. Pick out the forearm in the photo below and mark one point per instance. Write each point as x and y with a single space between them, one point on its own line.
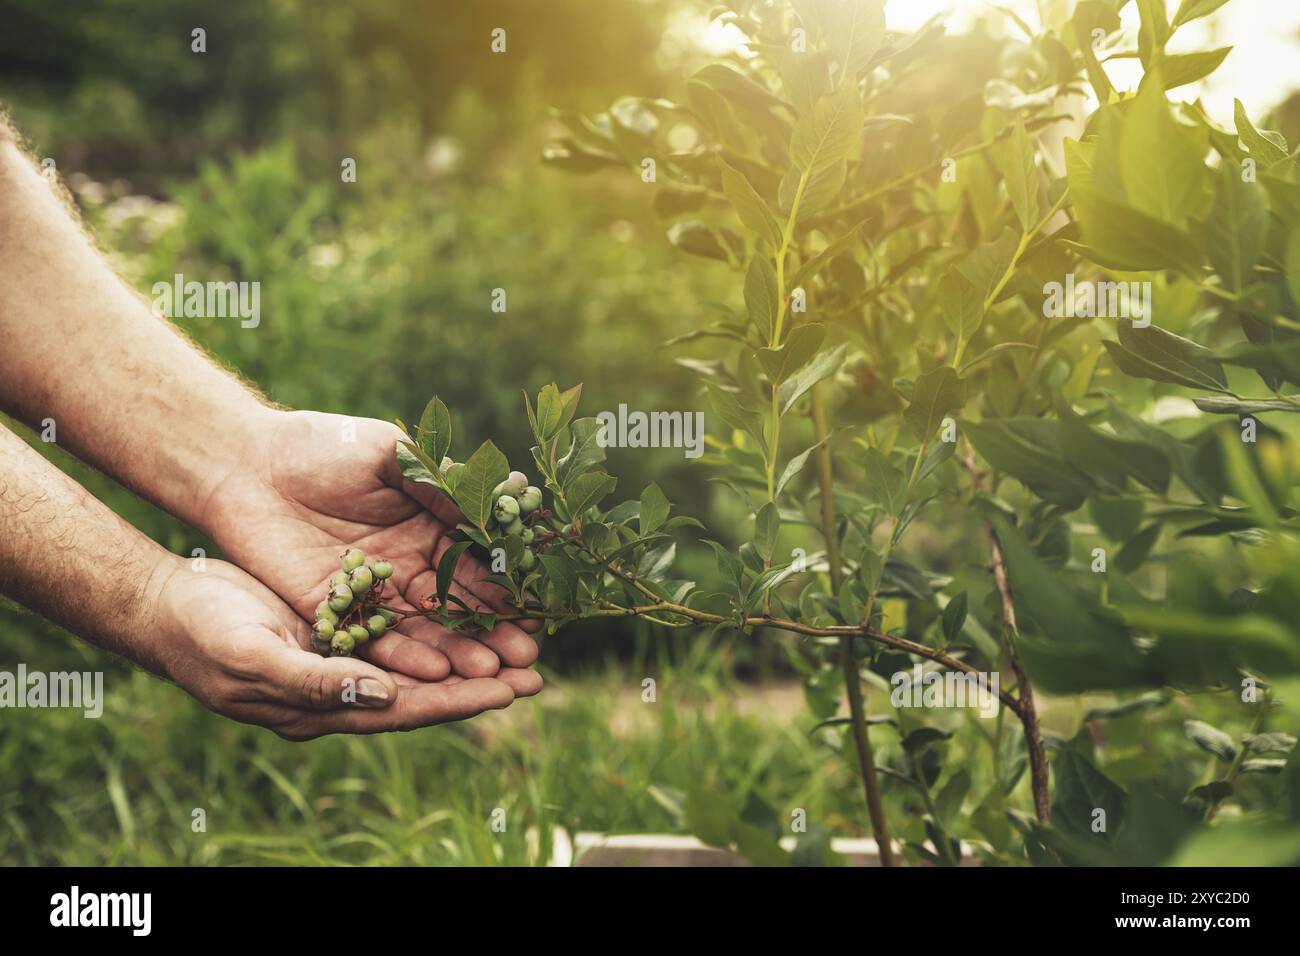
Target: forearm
125 390
66 556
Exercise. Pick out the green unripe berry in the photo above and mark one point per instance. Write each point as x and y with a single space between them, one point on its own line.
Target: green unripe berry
453 473
505 510
388 616
376 625
322 631
352 558
341 644
326 613
446 463
515 484
358 634
360 580
514 529
340 577
530 499
527 535
528 561
340 598
381 569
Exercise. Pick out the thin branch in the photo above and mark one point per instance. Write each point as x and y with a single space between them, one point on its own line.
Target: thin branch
1026 711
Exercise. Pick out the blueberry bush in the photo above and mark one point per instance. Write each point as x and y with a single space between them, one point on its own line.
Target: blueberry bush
1021 360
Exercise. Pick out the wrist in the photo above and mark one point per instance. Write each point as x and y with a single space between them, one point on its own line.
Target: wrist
235 468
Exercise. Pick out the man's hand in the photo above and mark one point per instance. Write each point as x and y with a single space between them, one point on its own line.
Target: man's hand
283 493
245 654
309 486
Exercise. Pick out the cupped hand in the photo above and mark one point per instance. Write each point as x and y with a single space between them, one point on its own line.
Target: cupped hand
244 653
314 484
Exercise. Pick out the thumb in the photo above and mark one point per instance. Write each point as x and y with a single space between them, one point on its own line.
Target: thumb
302 679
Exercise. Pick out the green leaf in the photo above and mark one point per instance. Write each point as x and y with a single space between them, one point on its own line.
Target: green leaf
1179 69
1210 739
1088 16
1266 148
729 566
654 509
486 469
585 451
762 299
1162 356
886 485
710 816
695 238
587 490
1273 742
1244 406
767 525
555 409
1190 10
1020 173
845 243
1117 518
749 205
1060 614
1137 549
799 347
962 305
729 409
1121 237
830 133
794 466
986 265
1031 450
948 801
434 431
1081 789
1293 263
1153 32
1107 458
1161 161
818 190
447 568
854 32
414 463
1236 228
935 394
561 573
954 618
823 366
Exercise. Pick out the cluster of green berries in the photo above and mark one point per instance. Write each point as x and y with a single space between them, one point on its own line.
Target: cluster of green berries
350 615
515 502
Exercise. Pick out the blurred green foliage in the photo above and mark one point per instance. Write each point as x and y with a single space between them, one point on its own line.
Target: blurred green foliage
375 295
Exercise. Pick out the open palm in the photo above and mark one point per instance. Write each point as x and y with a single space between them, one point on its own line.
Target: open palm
320 483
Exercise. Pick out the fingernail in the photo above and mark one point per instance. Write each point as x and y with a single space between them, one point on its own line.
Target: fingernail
371 693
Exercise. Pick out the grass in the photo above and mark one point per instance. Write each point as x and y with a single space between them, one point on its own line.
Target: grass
131 787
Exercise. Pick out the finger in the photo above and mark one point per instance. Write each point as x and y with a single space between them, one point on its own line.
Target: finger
396 651
468 657
509 641
524 682
418 707
303 679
